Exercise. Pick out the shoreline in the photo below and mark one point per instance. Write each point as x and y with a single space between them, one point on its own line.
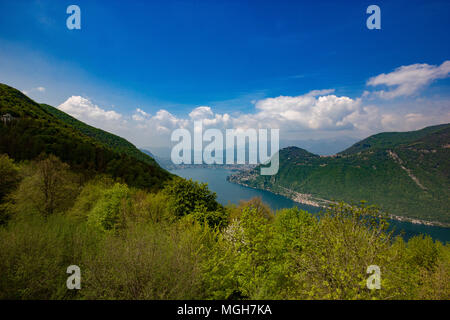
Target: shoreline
310 200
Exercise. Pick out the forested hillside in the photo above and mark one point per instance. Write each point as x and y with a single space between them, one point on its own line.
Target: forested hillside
393 139
74 195
110 140
406 174
36 129
179 243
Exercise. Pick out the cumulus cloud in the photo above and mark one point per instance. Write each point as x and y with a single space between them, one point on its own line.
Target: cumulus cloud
316 114
313 110
162 123
140 115
83 109
303 116
202 112
372 119
412 121
208 117
407 80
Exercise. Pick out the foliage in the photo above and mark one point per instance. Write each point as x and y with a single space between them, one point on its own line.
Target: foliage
258 206
107 214
35 253
112 141
392 139
297 256
131 244
9 175
187 196
9 178
90 194
148 262
407 174
40 129
84 203
49 189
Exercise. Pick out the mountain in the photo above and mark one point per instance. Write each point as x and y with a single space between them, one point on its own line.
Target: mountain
165 163
110 140
322 146
392 139
407 174
147 152
38 128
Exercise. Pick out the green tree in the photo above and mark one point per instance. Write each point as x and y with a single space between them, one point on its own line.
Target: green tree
108 212
9 179
190 197
186 195
50 188
9 175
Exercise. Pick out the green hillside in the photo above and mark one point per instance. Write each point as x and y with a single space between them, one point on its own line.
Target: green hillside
138 237
392 139
406 174
37 129
110 140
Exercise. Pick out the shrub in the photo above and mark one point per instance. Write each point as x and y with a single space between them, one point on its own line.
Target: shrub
150 261
190 197
108 212
9 178
50 188
35 253
9 175
90 194
185 195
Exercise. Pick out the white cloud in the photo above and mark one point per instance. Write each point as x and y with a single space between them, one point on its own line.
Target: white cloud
372 119
83 109
312 115
202 112
208 117
407 80
140 115
315 93
313 110
412 121
162 123
39 89
316 114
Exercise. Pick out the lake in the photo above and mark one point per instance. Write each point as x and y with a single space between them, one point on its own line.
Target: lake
228 192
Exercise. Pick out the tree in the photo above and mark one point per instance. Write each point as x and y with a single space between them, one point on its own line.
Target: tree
9 175
50 188
9 178
260 208
107 214
190 197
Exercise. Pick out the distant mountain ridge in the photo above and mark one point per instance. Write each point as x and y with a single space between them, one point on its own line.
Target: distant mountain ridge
39 128
392 139
406 174
165 163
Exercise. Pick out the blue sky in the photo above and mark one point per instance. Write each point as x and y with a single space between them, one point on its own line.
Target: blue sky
227 56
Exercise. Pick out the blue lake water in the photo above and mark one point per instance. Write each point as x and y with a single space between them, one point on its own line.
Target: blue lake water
228 192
